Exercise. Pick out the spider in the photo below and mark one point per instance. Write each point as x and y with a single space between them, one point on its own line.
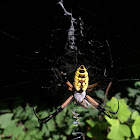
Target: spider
79 87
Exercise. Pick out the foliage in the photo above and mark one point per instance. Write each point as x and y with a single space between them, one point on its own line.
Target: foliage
126 123
20 122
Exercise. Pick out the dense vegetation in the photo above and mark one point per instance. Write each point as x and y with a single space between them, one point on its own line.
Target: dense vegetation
20 123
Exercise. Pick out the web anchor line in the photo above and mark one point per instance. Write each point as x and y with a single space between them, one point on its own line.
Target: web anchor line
110 54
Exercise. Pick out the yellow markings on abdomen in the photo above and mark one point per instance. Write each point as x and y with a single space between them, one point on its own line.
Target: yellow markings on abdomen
81 79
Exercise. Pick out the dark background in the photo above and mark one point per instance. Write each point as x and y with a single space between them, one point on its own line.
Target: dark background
25 30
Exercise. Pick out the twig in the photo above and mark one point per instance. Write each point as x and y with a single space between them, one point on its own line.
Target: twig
108 87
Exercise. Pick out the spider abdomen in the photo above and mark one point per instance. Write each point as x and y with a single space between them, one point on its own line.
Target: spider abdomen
81 79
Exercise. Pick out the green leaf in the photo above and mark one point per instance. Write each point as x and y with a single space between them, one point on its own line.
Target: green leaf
5 119
60 119
34 134
45 131
91 113
137 84
118 95
17 111
29 111
134 115
89 134
113 103
111 121
23 116
69 130
136 128
125 130
123 113
55 136
62 137
22 135
50 139
51 125
30 124
137 102
13 130
91 123
118 131
100 94
132 92
43 114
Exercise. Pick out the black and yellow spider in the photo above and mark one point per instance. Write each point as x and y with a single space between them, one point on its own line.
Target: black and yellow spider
79 87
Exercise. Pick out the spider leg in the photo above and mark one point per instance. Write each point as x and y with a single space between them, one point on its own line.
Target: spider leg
71 87
84 103
100 108
90 87
46 119
93 85
69 84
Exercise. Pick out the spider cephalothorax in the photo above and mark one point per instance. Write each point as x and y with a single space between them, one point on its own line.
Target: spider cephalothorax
79 87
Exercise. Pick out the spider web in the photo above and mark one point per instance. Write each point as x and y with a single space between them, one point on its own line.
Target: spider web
71 42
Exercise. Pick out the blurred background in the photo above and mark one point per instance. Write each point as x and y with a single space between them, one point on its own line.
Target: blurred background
104 36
